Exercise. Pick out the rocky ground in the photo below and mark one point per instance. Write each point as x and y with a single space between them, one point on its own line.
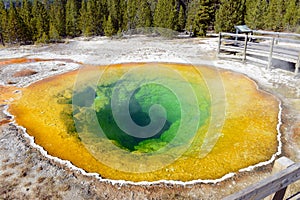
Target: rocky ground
25 173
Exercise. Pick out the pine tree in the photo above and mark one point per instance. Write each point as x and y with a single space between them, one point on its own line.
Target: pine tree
130 14
101 12
121 13
82 17
109 28
25 13
72 24
292 15
17 5
202 19
275 15
3 17
200 16
230 13
90 25
115 14
143 14
33 21
53 33
44 38
15 27
58 17
165 13
40 21
181 19
255 13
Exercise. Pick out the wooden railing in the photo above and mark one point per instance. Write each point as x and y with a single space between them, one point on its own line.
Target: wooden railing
262 52
277 183
282 36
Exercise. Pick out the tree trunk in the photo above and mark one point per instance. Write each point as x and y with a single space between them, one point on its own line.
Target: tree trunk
1 39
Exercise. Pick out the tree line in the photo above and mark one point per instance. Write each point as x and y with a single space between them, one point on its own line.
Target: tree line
42 21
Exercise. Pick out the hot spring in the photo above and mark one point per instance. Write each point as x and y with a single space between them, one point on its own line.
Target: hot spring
150 122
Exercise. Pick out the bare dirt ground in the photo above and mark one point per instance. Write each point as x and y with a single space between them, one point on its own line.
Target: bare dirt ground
25 173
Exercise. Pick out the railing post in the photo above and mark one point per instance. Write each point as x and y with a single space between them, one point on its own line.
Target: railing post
279 195
277 40
279 165
236 37
219 43
297 66
245 48
271 53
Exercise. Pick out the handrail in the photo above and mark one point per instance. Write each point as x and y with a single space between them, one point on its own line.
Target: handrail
276 33
244 35
269 185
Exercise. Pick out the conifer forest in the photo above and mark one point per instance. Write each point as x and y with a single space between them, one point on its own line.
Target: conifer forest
43 21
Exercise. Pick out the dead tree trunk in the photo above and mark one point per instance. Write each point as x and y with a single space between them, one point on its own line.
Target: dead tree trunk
1 39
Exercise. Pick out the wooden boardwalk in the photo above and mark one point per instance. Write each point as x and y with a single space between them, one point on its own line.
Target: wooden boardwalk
261 49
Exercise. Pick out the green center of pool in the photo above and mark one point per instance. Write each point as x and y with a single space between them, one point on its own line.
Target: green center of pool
140 103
